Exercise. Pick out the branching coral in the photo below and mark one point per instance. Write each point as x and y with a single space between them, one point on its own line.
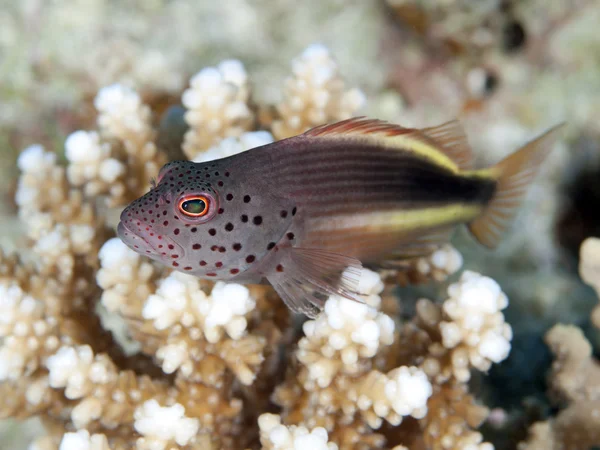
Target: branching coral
574 378
314 94
215 359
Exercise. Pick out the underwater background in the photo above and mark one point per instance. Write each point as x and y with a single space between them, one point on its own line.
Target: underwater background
95 95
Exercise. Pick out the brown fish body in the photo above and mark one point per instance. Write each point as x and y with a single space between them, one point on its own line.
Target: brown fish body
305 212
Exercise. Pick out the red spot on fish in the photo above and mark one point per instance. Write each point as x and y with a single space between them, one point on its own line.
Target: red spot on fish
234 271
250 259
221 211
174 256
165 223
202 263
214 248
219 264
279 268
222 249
196 246
187 268
211 274
159 237
171 246
176 231
175 264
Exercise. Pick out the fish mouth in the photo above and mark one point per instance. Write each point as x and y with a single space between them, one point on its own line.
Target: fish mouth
147 242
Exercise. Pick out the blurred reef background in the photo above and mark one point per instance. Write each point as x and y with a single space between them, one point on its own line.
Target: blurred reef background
130 70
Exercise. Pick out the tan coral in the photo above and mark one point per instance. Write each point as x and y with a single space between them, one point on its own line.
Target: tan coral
217 106
574 379
589 270
315 94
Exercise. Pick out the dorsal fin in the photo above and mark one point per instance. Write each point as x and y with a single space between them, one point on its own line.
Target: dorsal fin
448 138
358 126
451 139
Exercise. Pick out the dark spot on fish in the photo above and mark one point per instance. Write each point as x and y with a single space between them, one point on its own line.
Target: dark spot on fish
202 263
196 246
290 236
294 211
212 231
176 231
221 211
283 214
226 174
222 249
166 223
237 247
216 174
194 229
234 271
214 248
244 218
279 268
257 220
250 259
164 213
246 199
271 245
229 227
220 183
229 197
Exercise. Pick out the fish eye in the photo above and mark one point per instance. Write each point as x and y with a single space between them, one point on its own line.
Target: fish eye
194 206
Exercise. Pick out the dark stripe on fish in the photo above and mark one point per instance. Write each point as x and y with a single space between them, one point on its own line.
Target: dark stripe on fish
345 177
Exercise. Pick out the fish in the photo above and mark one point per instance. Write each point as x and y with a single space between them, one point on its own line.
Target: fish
307 213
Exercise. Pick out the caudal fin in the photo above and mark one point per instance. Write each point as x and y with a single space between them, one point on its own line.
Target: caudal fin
514 174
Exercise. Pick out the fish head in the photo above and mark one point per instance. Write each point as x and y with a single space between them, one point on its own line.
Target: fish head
208 220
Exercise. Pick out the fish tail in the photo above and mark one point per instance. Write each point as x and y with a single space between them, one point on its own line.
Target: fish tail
513 176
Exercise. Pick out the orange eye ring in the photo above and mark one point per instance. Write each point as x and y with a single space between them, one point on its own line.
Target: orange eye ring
194 206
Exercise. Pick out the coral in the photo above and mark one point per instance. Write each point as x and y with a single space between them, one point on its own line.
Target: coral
213 361
118 161
314 94
574 382
274 436
589 270
216 105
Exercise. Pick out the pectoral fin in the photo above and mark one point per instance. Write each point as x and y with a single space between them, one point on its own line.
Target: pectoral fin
305 278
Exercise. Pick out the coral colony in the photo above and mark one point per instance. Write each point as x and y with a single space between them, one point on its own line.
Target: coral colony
214 365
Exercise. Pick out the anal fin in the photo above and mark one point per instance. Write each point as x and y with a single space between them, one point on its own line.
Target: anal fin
305 278
416 246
